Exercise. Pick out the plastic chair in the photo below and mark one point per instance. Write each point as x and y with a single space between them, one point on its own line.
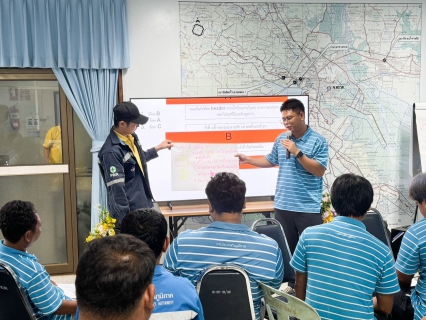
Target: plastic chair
286 306
374 224
272 228
225 293
13 300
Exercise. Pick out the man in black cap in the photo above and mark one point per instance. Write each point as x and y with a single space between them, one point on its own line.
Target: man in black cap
122 163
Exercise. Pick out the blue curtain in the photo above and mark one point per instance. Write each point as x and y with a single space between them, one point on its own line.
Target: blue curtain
92 94
73 34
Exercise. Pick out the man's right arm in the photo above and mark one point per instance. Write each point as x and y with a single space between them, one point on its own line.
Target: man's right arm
260 162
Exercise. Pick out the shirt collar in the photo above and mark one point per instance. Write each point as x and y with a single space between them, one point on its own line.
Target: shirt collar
306 135
159 270
351 221
10 250
229 226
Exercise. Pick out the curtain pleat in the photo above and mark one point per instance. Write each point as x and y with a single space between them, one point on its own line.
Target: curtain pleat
71 34
92 94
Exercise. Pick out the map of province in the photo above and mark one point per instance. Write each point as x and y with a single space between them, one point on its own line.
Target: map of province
359 64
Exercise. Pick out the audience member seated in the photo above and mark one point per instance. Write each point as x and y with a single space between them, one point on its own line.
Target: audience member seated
340 265
114 280
227 240
412 258
175 297
21 227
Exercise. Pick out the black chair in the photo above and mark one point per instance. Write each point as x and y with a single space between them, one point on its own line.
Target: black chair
374 224
225 293
272 228
13 300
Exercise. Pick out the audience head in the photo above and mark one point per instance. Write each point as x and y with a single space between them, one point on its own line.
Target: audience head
148 225
114 279
226 193
294 105
19 221
351 195
417 191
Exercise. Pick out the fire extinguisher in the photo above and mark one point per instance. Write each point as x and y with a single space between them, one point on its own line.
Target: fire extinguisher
14 117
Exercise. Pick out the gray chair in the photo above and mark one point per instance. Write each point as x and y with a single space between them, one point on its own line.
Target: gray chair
286 306
14 303
225 293
272 228
374 224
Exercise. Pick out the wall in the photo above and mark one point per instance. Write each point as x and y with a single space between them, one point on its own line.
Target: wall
155 58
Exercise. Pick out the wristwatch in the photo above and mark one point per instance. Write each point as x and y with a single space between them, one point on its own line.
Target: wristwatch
299 155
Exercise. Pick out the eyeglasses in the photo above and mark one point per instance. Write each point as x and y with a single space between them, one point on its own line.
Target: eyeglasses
288 119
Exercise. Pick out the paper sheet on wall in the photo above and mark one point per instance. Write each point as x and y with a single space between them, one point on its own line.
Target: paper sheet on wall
193 164
421 132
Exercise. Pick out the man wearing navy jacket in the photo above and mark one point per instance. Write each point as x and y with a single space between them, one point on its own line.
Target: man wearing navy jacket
123 163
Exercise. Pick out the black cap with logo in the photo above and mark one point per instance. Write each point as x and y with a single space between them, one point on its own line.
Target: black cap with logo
127 111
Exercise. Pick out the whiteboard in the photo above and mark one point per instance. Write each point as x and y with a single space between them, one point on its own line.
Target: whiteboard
252 123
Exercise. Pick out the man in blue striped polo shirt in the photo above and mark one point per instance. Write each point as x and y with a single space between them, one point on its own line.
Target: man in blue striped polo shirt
21 227
339 265
302 158
227 240
412 256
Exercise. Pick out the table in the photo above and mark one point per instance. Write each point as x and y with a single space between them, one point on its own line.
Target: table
179 214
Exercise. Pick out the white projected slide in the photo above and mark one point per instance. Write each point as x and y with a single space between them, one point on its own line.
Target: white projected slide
250 124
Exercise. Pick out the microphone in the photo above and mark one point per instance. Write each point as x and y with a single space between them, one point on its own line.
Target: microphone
287 155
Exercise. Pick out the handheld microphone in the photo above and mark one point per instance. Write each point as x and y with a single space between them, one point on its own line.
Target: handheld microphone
287 155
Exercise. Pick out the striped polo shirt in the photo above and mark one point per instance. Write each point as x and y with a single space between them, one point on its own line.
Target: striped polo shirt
412 258
297 189
45 298
345 265
221 243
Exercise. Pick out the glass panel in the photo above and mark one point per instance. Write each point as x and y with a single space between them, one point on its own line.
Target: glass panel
30 131
47 194
83 163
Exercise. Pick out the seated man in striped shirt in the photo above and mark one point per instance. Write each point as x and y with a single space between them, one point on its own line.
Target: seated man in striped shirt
21 227
412 258
227 240
339 265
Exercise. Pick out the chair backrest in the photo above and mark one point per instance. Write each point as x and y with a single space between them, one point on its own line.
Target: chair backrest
374 224
286 306
13 301
225 293
272 228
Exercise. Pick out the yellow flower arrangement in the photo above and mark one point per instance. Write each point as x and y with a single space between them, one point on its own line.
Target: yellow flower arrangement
326 208
105 227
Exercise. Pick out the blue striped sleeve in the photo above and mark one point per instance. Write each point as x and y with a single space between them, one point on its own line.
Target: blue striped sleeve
320 152
408 261
273 156
45 296
388 282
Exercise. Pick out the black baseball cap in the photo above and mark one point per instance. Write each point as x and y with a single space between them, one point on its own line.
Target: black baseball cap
127 111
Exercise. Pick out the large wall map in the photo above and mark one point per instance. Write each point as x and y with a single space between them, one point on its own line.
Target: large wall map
359 64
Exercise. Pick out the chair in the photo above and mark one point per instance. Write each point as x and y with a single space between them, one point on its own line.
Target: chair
286 306
374 224
225 293
13 301
272 228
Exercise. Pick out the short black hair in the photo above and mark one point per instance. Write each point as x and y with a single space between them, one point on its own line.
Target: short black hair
351 195
148 225
293 104
417 190
226 193
16 218
112 275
